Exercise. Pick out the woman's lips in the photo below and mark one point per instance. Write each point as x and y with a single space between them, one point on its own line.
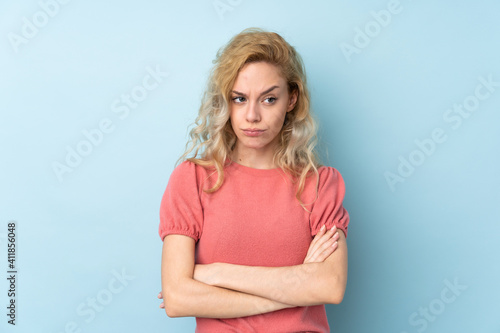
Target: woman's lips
252 131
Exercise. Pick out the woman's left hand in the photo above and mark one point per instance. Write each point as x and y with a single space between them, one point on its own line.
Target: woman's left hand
323 245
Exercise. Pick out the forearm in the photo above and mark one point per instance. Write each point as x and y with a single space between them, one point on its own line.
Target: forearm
300 285
183 296
193 298
310 283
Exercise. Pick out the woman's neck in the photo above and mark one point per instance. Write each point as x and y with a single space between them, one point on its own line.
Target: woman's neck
254 158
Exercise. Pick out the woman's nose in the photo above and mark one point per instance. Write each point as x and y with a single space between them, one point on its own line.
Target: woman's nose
253 112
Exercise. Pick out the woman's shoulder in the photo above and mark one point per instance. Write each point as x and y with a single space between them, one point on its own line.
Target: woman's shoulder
188 173
325 171
329 176
189 168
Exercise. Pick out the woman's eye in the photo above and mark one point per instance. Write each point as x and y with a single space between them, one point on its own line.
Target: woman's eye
239 99
270 100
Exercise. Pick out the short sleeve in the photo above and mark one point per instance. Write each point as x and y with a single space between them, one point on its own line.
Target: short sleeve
181 211
328 208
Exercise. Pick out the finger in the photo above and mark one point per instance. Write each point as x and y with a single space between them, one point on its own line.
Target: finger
319 255
324 254
327 243
320 232
324 238
313 245
318 235
320 243
327 252
328 234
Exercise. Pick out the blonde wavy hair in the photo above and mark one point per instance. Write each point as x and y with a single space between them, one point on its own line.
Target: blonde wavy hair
212 138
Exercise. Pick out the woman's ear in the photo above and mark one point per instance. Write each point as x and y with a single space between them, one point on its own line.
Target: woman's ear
292 100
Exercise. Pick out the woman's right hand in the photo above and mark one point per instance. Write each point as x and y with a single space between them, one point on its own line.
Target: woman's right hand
162 304
323 244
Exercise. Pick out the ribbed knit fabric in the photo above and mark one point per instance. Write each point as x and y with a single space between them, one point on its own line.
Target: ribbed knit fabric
253 219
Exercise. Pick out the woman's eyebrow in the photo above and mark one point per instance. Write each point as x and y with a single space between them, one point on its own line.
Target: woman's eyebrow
262 93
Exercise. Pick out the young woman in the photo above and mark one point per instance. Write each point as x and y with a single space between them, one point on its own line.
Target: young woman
238 218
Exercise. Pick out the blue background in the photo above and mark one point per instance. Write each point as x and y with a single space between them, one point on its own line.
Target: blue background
406 242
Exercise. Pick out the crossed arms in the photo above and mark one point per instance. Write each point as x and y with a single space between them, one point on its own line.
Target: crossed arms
221 290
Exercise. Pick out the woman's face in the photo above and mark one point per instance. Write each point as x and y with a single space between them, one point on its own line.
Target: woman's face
259 103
